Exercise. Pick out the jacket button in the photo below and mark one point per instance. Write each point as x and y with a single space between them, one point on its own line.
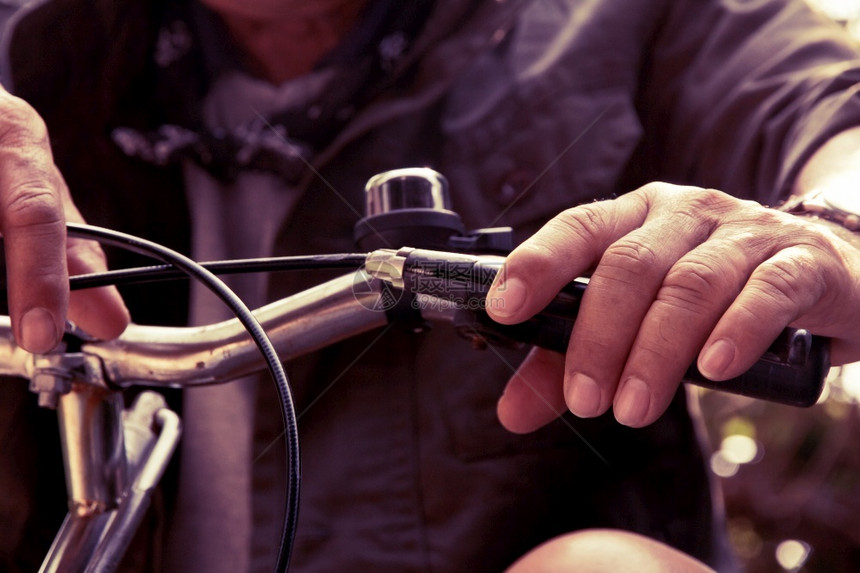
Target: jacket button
515 186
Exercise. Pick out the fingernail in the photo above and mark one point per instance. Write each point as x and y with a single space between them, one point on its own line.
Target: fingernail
633 401
716 358
38 331
507 297
583 396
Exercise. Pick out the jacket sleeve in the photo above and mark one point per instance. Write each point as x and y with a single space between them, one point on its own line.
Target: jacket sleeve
737 94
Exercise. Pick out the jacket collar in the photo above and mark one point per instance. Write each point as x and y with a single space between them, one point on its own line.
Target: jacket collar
455 33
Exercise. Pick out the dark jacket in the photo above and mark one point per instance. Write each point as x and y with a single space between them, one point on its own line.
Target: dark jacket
527 107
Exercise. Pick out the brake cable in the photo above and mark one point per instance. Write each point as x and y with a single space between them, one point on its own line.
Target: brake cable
175 260
167 272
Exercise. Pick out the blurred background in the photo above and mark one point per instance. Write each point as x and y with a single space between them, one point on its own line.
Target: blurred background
845 12
791 477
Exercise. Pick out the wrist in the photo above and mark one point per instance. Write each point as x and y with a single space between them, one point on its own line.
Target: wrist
839 205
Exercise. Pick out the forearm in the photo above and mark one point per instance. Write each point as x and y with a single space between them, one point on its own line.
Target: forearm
775 94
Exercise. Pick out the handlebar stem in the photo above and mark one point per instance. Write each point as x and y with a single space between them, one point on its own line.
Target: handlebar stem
91 436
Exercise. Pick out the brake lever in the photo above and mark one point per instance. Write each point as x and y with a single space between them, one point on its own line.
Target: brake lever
792 371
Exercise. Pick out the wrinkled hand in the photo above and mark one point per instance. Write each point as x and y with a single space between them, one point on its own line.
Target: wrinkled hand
677 272
34 205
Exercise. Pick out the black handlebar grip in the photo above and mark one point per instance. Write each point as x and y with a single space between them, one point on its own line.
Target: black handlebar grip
792 371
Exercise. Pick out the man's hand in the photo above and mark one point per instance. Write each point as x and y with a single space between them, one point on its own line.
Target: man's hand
676 273
34 205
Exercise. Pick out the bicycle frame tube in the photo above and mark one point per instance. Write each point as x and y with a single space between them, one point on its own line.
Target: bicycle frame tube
91 435
94 537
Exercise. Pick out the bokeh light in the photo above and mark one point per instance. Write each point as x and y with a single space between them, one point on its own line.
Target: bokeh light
739 449
839 10
791 554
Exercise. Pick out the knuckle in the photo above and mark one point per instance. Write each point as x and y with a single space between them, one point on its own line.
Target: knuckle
710 197
818 239
585 221
707 206
538 253
20 124
628 261
594 222
32 204
30 185
679 193
693 282
773 219
583 225
653 188
661 348
697 211
789 279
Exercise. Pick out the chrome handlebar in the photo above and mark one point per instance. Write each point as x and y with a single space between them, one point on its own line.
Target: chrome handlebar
447 287
191 356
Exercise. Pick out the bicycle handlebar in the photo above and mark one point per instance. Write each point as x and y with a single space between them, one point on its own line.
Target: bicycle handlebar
449 287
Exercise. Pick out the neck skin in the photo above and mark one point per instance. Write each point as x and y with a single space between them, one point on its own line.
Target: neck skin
284 39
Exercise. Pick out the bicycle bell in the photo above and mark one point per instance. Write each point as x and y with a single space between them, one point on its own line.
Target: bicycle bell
412 206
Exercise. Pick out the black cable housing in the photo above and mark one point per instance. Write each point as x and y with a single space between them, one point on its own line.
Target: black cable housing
246 317
166 272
